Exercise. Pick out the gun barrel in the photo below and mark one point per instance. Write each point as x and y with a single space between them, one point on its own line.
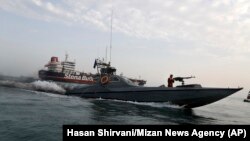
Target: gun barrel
181 78
188 77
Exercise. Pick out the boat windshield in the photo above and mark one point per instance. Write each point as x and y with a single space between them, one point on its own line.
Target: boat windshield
129 82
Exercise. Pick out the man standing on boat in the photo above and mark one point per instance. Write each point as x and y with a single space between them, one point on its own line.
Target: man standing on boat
170 81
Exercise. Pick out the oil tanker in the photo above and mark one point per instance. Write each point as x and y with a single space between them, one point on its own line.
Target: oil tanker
65 72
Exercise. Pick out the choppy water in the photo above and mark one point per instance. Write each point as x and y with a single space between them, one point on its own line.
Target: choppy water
28 114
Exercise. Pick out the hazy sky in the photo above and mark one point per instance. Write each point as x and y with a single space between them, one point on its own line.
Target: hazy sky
209 39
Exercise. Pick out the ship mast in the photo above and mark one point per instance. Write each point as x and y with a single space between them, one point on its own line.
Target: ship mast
98 63
106 55
66 57
111 34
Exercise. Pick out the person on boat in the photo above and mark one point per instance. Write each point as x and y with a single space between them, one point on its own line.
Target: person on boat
170 81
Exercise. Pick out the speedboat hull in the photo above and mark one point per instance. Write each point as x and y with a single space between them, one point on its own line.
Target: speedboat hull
186 97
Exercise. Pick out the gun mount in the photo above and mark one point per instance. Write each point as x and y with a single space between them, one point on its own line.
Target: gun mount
181 79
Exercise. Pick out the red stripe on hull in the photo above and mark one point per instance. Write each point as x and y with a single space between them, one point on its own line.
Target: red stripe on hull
67 80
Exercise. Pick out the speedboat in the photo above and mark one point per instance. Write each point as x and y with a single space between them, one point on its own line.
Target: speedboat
112 86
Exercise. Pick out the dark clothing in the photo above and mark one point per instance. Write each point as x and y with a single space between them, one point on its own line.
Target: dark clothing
170 82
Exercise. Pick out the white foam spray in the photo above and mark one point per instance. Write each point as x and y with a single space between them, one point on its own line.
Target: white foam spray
47 87
38 85
151 104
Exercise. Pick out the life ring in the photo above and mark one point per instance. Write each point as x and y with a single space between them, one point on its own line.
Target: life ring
104 80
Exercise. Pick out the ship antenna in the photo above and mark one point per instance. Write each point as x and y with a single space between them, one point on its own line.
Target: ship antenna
106 58
111 34
66 57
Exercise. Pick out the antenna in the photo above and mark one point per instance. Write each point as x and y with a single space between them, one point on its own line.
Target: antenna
111 32
106 58
66 57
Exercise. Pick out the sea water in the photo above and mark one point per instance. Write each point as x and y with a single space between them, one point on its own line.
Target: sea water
31 111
